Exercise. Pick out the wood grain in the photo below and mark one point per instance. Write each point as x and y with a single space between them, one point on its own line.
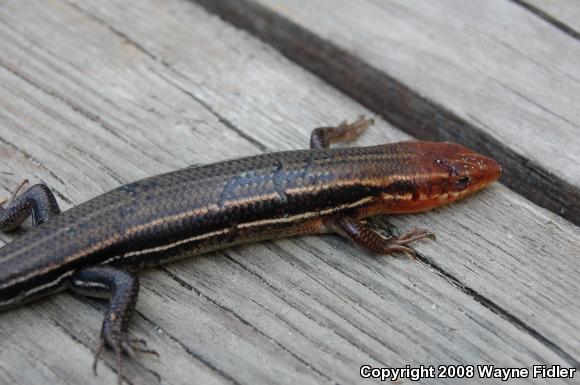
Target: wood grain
490 75
563 14
94 94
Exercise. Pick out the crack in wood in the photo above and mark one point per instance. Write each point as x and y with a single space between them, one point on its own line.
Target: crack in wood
228 124
549 18
116 177
248 324
31 159
186 349
499 310
95 304
536 104
77 340
5 373
485 302
289 257
280 296
74 106
220 118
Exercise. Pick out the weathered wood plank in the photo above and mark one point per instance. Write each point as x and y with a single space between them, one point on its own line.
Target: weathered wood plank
182 61
490 75
91 98
561 13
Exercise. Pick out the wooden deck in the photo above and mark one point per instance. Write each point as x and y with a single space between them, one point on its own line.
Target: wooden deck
94 94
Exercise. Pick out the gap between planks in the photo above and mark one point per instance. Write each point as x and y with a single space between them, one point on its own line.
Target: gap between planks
396 102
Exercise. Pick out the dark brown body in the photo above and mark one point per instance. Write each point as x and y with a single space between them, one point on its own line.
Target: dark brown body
94 248
208 207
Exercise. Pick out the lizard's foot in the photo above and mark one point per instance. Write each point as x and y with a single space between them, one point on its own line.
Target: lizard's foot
121 344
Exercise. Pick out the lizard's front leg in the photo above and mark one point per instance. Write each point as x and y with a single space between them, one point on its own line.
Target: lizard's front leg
369 240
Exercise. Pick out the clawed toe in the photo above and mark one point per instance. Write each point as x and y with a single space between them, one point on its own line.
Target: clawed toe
374 242
140 345
138 341
14 194
357 127
146 351
400 244
409 252
414 236
124 345
127 348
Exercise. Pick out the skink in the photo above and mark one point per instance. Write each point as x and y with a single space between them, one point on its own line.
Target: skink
96 248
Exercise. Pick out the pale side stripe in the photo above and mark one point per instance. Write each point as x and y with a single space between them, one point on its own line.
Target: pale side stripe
172 218
169 246
243 225
204 210
9 302
56 282
89 284
372 182
56 266
214 207
307 215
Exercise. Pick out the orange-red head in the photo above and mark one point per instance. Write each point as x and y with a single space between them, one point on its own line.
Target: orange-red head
438 173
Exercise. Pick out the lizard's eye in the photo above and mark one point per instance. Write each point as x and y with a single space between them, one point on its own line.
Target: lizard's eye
461 183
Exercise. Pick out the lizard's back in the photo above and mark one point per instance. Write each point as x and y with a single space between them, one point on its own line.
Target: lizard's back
167 208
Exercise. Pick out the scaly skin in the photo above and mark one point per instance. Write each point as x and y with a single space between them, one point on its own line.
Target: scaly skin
94 248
